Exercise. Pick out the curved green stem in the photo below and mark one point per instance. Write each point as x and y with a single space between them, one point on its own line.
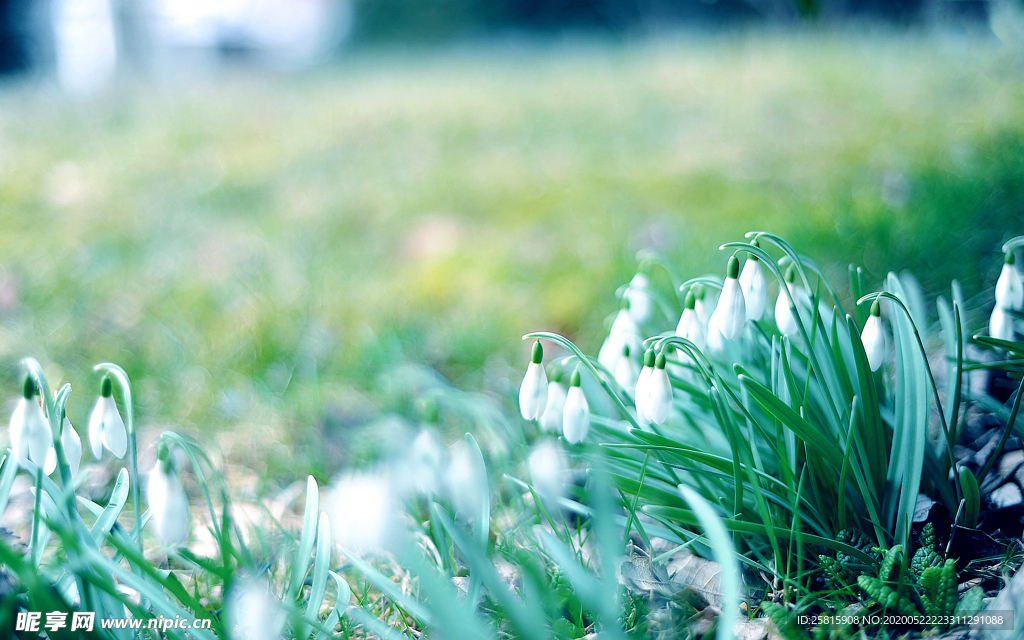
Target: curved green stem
124 383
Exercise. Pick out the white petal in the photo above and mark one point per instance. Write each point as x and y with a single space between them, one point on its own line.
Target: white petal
873 338
1000 325
716 341
37 433
19 444
691 328
253 613
755 290
364 514
169 506
784 317
533 393
576 419
51 462
639 300
547 469
626 374
551 420
96 428
659 398
72 447
731 311
1009 289
704 308
640 397
115 436
466 479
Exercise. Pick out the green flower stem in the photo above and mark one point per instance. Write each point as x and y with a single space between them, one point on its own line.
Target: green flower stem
125 384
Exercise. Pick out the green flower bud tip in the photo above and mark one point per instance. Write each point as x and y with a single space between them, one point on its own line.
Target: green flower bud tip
575 381
691 300
733 270
163 454
106 387
557 375
660 362
649 358
28 388
538 353
791 274
754 243
698 291
625 350
876 309
1009 258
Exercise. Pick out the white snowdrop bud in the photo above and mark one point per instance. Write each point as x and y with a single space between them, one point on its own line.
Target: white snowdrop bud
547 469
106 428
716 341
254 613
785 316
576 418
643 386
31 438
364 513
754 287
551 420
533 394
168 503
638 298
659 395
626 372
702 304
72 444
731 312
1000 325
1009 286
690 326
624 332
873 337
466 479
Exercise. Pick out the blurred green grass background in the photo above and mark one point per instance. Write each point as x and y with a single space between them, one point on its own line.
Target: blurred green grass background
253 248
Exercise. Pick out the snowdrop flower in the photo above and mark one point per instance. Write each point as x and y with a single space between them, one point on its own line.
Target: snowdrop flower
253 613
642 386
755 290
1000 325
873 337
716 341
624 332
168 503
626 372
31 438
551 420
466 479
547 469
72 450
690 326
785 316
702 304
106 428
422 464
576 419
533 394
1009 286
364 514
659 393
639 300
731 312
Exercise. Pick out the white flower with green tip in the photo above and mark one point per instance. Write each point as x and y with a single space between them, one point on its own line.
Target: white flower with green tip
31 438
167 501
533 393
106 428
873 337
576 417
731 311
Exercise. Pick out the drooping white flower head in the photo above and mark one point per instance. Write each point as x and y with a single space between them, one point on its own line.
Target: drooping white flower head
547 469
755 289
168 503
1009 286
626 372
106 428
731 312
659 394
624 332
533 393
466 479
785 315
639 298
702 303
364 513
690 326
873 337
643 386
551 419
31 438
72 450
1000 325
716 341
576 418
422 465
254 613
